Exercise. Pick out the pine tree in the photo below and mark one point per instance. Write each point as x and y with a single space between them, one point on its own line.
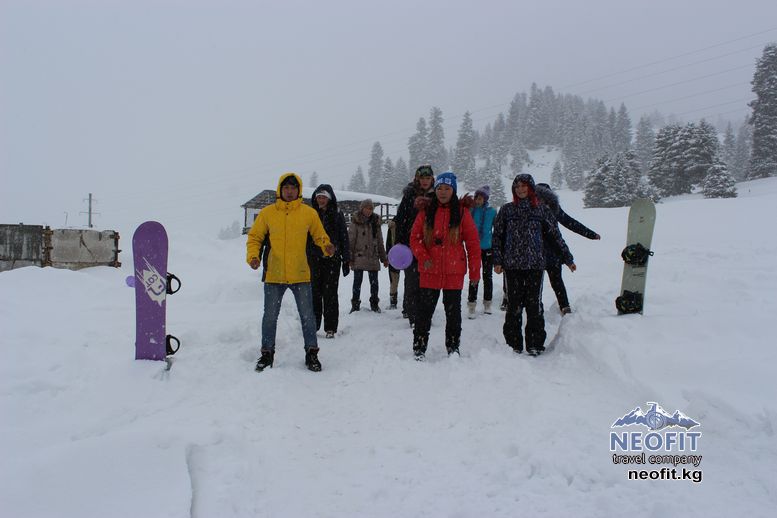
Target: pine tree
728 150
464 153
701 152
719 183
417 146
438 155
596 185
375 170
556 177
612 122
763 161
644 142
314 180
489 175
358 183
622 132
384 187
400 178
536 119
516 119
744 144
501 142
520 157
665 162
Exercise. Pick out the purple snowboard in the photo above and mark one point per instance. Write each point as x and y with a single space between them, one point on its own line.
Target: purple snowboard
149 249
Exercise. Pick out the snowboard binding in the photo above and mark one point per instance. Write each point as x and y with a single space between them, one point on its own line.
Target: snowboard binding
629 302
636 255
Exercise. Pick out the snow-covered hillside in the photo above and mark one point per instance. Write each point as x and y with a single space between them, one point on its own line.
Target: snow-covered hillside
88 431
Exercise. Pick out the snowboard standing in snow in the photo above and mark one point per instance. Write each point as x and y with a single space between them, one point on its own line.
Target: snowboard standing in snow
642 218
152 285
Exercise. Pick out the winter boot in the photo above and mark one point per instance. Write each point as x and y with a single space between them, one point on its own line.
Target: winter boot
535 351
374 305
355 305
393 301
330 334
266 360
503 307
452 345
311 360
419 347
471 310
566 310
487 307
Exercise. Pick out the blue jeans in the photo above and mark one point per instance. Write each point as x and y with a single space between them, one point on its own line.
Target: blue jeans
303 295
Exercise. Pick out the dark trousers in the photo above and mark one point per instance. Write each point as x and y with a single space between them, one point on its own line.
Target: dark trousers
412 291
427 302
487 260
358 276
324 279
524 291
557 283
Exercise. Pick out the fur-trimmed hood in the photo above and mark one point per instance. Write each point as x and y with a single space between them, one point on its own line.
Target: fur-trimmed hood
548 197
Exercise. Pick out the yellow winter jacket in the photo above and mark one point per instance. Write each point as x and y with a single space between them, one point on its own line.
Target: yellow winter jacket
287 224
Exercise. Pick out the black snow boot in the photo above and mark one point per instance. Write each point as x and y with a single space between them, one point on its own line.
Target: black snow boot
374 305
419 346
393 302
266 360
452 345
355 305
311 360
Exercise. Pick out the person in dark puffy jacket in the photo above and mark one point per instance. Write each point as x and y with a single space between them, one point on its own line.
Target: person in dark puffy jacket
438 240
552 257
325 271
421 189
520 230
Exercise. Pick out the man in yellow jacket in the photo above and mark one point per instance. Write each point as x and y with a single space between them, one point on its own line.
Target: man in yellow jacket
286 225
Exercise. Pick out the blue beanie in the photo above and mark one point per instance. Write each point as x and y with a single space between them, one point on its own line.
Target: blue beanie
447 178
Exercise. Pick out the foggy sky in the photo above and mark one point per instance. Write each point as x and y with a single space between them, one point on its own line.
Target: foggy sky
183 110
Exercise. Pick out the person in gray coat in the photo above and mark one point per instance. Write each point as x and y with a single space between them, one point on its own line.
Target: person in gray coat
367 253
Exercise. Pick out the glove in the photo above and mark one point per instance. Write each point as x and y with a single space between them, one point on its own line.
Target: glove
346 270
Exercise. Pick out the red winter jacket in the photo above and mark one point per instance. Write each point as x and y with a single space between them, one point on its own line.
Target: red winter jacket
449 260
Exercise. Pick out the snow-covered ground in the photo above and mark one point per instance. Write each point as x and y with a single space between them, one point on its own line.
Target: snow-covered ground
88 431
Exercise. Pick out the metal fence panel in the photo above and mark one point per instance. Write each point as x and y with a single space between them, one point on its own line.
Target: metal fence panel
20 245
76 248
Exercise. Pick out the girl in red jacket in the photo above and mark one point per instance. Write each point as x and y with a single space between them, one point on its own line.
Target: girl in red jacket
438 240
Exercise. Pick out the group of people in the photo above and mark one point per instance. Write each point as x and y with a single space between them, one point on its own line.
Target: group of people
304 249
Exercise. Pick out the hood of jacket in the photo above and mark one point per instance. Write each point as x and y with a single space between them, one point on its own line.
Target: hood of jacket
360 219
332 198
282 178
548 197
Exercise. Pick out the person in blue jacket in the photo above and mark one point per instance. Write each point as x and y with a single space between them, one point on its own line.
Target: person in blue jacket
483 215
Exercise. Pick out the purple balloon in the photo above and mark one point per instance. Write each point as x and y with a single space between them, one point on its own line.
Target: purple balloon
400 256
130 280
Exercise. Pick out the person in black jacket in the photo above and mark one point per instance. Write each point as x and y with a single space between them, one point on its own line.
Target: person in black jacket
421 187
552 258
325 271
